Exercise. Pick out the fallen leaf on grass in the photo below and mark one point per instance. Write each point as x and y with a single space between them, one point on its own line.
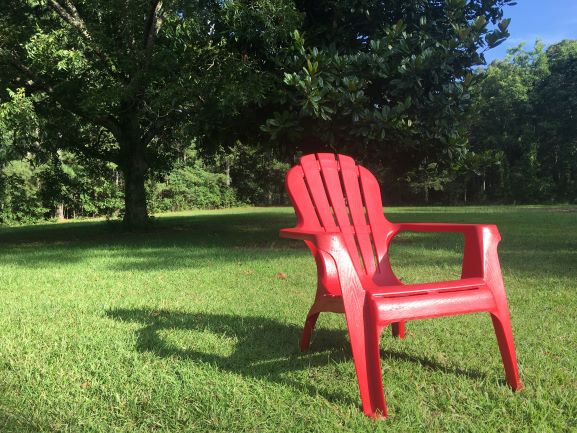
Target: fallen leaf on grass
85 385
281 276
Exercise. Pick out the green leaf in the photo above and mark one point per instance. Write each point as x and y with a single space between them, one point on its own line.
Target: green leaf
504 24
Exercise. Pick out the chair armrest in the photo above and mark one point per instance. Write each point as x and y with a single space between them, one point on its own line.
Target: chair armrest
317 241
481 241
331 245
443 227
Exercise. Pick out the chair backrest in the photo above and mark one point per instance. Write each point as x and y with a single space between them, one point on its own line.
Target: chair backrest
332 193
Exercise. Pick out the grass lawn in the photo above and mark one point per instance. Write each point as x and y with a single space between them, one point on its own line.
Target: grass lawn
187 328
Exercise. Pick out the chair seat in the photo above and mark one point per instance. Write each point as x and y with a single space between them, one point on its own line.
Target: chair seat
421 301
437 286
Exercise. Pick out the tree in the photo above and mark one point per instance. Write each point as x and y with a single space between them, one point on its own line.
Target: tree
524 108
500 119
386 81
427 177
115 80
125 81
555 105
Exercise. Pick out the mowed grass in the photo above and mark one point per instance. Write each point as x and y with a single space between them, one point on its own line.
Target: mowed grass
188 328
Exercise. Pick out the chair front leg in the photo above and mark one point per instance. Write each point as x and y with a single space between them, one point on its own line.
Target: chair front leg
367 360
500 316
504 333
362 327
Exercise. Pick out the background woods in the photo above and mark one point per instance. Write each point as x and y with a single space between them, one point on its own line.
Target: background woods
126 108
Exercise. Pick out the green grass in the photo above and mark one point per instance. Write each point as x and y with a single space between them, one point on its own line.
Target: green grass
186 328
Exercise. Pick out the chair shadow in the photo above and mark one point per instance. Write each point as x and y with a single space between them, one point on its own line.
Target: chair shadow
265 348
430 364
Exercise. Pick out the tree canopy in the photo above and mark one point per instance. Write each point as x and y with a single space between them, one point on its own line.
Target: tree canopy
386 81
118 81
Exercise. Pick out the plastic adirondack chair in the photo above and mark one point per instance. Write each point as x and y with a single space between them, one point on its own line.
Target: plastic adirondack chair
340 218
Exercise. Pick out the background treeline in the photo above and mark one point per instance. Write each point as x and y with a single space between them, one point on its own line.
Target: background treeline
142 106
521 124
64 187
523 129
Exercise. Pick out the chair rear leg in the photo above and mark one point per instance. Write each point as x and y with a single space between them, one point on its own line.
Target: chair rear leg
398 329
308 330
504 333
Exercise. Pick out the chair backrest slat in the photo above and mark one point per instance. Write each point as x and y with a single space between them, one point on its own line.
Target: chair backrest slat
356 207
332 181
300 196
374 206
317 192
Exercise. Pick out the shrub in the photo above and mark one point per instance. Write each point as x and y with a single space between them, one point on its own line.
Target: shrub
191 187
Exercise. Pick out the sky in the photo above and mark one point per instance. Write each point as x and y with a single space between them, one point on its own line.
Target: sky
549 20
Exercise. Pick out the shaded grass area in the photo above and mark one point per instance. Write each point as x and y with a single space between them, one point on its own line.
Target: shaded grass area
187 328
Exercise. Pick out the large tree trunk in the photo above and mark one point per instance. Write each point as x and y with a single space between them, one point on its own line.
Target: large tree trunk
135 169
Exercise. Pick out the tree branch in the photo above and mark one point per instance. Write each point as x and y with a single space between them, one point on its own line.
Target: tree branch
151 30
155 129
153 24
71 16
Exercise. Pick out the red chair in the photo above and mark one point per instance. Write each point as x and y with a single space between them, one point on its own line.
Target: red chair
340 218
